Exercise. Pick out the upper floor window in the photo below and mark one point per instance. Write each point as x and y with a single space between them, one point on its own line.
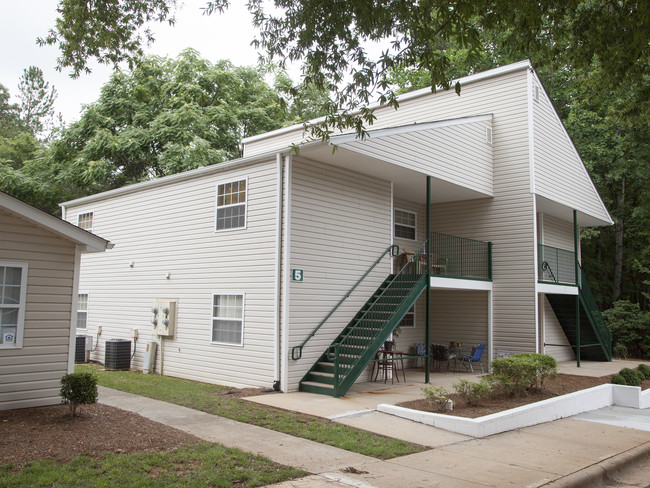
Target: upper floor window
13 293
405 224
85 221
82 311
231 205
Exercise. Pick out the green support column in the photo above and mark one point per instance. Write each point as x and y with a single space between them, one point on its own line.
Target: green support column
428 273
577 267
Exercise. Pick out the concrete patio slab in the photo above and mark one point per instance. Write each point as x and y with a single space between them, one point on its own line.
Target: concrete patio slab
620 416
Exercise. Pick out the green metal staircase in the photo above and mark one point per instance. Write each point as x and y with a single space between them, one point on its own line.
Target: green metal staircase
595 341
348 355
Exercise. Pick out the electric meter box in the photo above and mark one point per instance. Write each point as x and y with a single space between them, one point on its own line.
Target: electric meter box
164 317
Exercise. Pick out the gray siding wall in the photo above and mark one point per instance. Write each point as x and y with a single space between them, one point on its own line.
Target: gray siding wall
557 233
340 224
171 229
30 376
560 174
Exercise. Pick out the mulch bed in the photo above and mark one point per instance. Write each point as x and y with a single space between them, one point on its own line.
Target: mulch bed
563 384
51 433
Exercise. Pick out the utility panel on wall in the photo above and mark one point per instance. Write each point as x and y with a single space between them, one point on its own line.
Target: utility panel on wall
164 317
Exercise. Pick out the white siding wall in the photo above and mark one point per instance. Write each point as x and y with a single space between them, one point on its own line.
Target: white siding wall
170 229
553 334
557 233
560 175
30 376
340 224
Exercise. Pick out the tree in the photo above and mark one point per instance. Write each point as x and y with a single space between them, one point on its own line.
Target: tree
329 39
10 124
37 102
164 117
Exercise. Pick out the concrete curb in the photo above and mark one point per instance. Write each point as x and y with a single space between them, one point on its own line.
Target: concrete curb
596 473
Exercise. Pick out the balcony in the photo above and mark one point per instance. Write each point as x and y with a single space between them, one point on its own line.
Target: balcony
556 266
460 258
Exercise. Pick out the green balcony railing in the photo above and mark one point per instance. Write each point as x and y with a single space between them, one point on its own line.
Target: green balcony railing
458 257
556 265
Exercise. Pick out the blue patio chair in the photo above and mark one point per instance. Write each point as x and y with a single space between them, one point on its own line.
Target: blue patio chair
468 360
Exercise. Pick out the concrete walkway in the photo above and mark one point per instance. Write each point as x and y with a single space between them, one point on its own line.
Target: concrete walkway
566 452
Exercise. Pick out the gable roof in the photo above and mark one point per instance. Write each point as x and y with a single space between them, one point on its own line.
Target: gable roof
43 220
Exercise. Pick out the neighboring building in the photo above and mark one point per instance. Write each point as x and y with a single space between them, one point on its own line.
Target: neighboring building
255 253
39 276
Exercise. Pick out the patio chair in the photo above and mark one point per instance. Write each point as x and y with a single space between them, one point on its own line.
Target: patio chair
440 353
420 350
468 360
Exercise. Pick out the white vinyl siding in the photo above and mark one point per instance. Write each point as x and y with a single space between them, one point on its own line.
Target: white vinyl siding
560 174
231 205
227 318
85 221
30 375
175 237
557 233
82 311
340 224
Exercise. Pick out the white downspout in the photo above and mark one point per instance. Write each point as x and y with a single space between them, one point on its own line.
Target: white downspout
286 277
278 275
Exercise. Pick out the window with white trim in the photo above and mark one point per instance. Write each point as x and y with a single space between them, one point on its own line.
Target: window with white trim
228 318
82 311
408 321
13 293
85 221
405 224
231 205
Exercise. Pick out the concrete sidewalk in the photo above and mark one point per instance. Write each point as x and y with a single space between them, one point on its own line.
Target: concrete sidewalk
566 452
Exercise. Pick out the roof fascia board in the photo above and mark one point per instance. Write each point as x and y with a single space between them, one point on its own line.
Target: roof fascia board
404 129
404 97
92 242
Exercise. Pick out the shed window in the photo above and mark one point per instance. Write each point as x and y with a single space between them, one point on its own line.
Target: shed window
85 221
405 223
82 311
13 292
228 318
231 205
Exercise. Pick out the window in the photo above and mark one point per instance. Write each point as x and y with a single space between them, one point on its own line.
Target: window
13 293
228 318
82 311
405 222
85 221
231 205
408 320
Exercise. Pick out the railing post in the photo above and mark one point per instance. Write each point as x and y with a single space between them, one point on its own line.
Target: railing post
428 290
577 270
490 260
336 371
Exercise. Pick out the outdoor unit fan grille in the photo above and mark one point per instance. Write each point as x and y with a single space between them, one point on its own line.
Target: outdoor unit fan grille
117 356
80 349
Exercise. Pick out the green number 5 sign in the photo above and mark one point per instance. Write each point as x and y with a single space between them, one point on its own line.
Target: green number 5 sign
297 274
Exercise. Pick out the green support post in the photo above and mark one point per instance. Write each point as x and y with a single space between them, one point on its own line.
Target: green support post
428 291
577 269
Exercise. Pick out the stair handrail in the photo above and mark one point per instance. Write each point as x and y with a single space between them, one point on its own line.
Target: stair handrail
393 249
547 267
421 250
591 307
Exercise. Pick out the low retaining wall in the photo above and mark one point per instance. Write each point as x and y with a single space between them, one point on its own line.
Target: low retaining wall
534 413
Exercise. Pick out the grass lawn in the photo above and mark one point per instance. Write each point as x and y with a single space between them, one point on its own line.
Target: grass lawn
197 466
207 398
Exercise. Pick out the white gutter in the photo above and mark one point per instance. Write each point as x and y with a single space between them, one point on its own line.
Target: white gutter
278 273
287 278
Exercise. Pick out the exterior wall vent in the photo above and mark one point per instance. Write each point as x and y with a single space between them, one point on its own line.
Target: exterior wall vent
536 93
488 135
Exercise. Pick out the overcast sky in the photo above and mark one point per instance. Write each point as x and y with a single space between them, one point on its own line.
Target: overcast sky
226 36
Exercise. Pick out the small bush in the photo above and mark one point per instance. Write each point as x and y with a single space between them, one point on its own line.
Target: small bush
620 351
522 372
617 379
632 376
471 392
437 397
645 369
79 389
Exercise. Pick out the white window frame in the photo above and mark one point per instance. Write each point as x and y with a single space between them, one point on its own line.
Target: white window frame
92 220
411 311
20 326
84 311
217 206
212 317
395 224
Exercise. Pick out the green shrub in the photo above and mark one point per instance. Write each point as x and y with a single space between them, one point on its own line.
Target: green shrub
617 379
472 392
79 389
520 373
437 397
632 376
620 351
630 327
645 369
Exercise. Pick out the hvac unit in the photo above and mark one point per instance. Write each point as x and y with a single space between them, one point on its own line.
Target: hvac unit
117 356
83 346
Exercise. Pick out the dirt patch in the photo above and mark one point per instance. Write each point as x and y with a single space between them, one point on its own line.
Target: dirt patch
563 384
51 433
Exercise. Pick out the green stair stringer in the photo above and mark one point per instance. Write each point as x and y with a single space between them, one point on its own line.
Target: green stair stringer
345 359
